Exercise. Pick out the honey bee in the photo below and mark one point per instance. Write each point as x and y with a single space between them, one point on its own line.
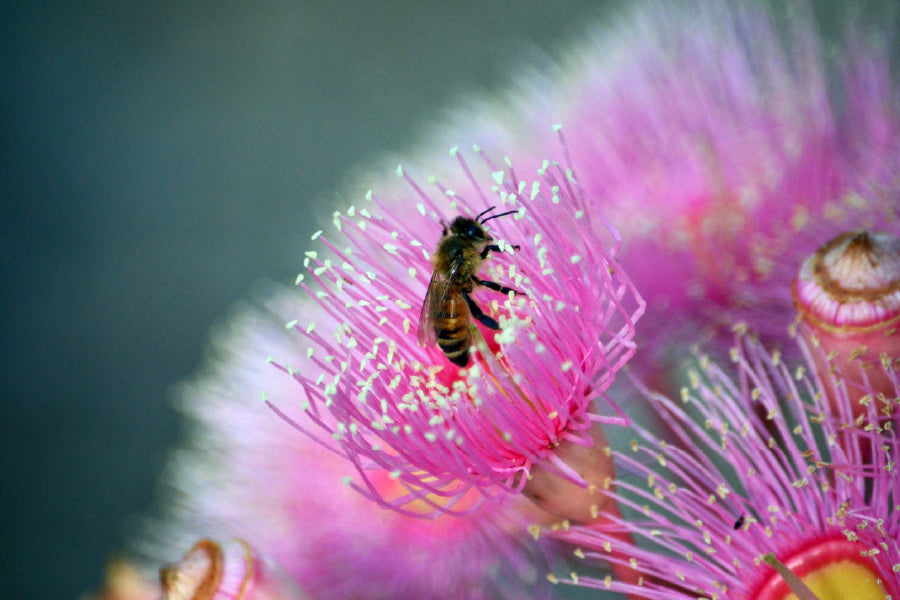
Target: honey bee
448 307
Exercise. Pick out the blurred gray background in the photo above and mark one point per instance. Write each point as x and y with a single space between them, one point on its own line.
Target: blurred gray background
157 159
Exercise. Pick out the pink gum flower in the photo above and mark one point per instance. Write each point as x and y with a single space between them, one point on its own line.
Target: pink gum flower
760 474
725 146
389 404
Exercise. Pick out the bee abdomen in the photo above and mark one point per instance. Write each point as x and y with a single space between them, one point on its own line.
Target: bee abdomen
454 341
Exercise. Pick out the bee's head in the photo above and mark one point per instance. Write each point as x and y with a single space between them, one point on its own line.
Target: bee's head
470 229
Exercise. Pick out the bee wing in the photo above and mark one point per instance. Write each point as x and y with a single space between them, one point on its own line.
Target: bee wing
438 288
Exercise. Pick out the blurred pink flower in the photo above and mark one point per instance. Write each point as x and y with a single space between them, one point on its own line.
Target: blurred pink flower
246 474
441 431
726 147
759 467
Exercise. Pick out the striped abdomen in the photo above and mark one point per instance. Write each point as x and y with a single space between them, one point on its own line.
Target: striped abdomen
451 325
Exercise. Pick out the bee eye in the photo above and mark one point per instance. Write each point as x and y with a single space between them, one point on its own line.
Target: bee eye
474 232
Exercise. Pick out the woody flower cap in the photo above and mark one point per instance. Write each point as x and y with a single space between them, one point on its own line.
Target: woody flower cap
386 403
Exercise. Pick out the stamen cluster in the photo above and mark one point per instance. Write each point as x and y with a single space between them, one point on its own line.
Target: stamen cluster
388 404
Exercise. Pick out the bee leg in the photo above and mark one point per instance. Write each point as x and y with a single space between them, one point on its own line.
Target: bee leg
478 314
494 248
493 285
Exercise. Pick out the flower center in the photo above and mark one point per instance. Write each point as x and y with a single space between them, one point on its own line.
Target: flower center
833 570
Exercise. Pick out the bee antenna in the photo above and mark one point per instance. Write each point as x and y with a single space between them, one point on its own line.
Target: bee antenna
484 212
509 212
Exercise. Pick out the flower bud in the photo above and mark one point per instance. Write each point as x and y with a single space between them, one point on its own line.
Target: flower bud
230 571
847 295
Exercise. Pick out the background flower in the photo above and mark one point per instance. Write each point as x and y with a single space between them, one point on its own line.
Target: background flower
727 146
245 473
